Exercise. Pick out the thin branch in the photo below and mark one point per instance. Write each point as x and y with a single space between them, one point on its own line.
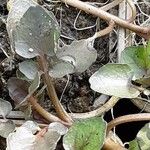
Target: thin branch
128 118
105 31
107 106
142 31
51 91
133 8
111 5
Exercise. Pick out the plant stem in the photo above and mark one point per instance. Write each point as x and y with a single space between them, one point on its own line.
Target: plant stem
45 114
105 31
51 91
112 145
107 106
111 5
128 118
142 31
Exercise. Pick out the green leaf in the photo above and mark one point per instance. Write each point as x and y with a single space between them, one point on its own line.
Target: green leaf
28 68
114 79
5 108
133 145
32 37
80 53
138 58
142 138
86 134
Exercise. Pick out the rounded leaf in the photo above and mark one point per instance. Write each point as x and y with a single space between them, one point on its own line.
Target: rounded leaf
87 134
138 58
80 53
61 68
114 79
32 37
18 89
5 108
60 128
22 139
28 68
6 127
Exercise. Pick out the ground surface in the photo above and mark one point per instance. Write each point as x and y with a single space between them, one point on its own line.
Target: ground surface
78 96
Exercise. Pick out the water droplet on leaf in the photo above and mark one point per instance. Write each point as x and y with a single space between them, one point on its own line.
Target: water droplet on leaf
31 50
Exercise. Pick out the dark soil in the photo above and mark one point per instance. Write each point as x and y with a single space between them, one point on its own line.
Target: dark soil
78 96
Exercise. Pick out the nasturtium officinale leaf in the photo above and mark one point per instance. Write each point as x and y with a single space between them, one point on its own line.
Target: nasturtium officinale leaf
35 31
21 90
32 126
133 145
86 134
80 53
143 138
34 84
48 141
114 79
52 136
20 75
6 127
16 9
60 68
5 108
21 139
57 126
28 68
32 88
138 58
18 89
25 137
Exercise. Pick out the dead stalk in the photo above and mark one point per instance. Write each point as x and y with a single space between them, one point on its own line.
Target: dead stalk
142 31
111 5
46 115
128 118
105 31
112 145
51 91
107 106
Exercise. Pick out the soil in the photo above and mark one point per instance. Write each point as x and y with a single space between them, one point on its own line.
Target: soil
78 97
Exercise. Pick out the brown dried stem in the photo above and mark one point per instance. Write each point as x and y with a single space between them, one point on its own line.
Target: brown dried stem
111 5
45 114
142 31
107 106
51 91
105 31
112 145
128 118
